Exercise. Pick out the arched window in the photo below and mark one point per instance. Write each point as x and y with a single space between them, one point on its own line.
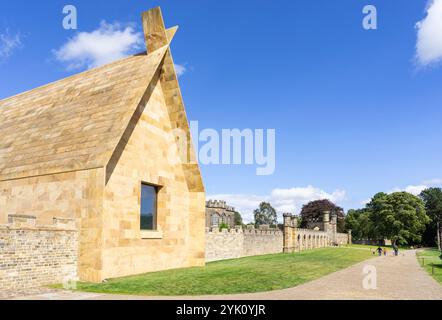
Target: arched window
215 219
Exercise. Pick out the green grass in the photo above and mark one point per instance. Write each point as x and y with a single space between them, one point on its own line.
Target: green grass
373 247
245 275
428 258
368 247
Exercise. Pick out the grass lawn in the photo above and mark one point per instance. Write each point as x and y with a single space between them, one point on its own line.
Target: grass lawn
372 247
245 275
428 257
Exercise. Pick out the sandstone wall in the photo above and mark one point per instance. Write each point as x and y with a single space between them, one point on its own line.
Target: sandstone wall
342 239
227 244
237 243
32 255
71 195
150 155
260 242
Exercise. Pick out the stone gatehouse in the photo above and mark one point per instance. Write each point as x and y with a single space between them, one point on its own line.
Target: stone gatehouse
100 148
326 234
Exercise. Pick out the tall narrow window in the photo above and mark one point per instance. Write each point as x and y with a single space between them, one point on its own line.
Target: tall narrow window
148 207
215 219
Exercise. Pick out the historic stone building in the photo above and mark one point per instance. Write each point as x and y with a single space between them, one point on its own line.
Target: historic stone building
218 213
94 163
321 222
322 234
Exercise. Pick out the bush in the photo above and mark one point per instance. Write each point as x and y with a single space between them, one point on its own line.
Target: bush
223 226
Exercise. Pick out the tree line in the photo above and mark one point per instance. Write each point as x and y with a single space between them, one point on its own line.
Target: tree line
400 217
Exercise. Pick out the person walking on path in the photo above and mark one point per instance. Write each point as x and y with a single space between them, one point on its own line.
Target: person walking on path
379 250
396 249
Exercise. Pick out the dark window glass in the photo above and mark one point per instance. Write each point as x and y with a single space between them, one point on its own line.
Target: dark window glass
148 207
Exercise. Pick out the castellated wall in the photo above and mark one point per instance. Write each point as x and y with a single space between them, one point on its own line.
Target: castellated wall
32 255
237 243
260 242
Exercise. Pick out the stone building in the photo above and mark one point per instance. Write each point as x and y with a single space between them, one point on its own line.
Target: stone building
323 220
218 212
100 148
321 235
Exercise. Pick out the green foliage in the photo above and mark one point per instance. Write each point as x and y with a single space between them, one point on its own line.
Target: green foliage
432 198
359 222
238 219
223 226
399 216
265 215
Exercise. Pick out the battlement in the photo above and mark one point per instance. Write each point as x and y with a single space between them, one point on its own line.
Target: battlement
33 255
219 204
25 222
263 230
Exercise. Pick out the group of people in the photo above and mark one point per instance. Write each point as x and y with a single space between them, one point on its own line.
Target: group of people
384 252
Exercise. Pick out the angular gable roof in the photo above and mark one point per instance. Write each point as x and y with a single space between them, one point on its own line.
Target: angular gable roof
75 123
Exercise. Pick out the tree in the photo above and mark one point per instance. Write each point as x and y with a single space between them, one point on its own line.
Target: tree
398 216
265 215
358 221
314 210
237 219
432 198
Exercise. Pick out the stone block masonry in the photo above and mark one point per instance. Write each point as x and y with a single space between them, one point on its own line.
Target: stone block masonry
237 243
33 255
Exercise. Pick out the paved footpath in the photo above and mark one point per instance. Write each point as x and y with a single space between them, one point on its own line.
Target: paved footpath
398 278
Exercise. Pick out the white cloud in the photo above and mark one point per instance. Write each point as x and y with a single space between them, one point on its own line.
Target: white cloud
283 200
8 43
433 182
417 189
108 43
429 35
365 202
180 69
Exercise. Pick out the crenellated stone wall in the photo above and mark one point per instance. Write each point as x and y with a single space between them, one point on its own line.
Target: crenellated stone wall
263 241
237 243
32 255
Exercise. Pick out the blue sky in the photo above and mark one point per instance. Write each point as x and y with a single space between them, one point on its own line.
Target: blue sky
353 110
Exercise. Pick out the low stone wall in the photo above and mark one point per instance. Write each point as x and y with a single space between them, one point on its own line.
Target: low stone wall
32 256
237 243
342 239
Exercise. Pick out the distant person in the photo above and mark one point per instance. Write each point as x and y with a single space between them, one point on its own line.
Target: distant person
379 250
385 252
396 250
